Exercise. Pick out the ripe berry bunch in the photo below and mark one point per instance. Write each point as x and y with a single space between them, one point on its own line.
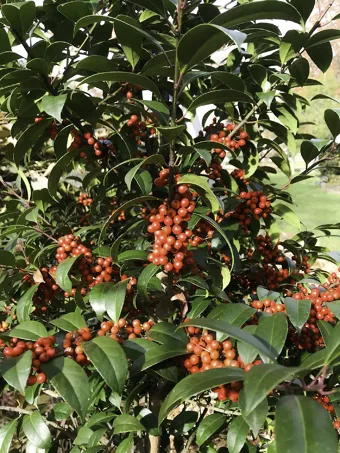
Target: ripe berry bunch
85 199
139 130
238 175
236 142
302 265
326 403
72 345
43 350
121 217
96 144
129 89
270 252
254 204
162 180
268 306
47 290
72 246
214 170
102 271
228 392
169 224
122 330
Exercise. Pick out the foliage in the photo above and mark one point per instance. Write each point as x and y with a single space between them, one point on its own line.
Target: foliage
146 299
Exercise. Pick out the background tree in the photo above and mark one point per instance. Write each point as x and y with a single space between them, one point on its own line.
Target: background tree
146 300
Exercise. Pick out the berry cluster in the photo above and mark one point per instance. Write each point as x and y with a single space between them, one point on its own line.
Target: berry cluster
85 199
236 142
254 204
169 227
46 291
71 246
303 264
72 345
238 175
122 330
268 306
139 130
270 252
162 179
43 350
128 89
53 131
214 170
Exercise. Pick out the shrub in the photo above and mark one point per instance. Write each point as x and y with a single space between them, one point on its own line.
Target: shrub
146 299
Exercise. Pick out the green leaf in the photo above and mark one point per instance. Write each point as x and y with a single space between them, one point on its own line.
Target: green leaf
267 97
325 329
62 278
29 330
6 435
7 259
109 360
260 380
198 383
299 69
16 370
143 281
126 77
53 105
96 63
302 425
273 331
258 73
129 38
256 418
287 214
132 255
28 139
297 311
75 10
322 37
332 350
305 7
126 423
208 426
154 159
201 184
332 118
321 55
61 411
248 353
171 133
157 354
231 331
36 430
58 170
126 445
310 150
69 322
237 434
266 9
235 314
24 306
70 381
165 333
20 16
219 97
202 41
114 298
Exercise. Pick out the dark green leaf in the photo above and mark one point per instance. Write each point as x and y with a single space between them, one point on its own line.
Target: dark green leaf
69 322
305 7
29 330
109 360
324 36
198 383
299 69
28 139
332 118
273 331
156 159
24 306
321 55
260 380
208 426
304 426
201 184
143 281
61 411
332 350
36 430
237 434
325 329
70 381
219 97
132 255
62 278
256 418
297 311
165 333
7 259
171 133
16 370
58 170
75 10
266 9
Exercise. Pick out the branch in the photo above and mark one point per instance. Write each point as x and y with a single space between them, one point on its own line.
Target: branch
15 409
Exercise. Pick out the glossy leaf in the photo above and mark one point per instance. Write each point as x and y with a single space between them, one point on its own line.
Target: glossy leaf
299 69
260 380
109 360
6 435
28 139
7 259
156 159
332 118
15 370
198 383
29 330
53 105
63 269
24 305
237 434
273 331
36 430
332 350
144 279
297 311
70 322
304 426
220 97
70 381
200 183
232 331
165 332
58 170
126 423
208 426
322 55
257 417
